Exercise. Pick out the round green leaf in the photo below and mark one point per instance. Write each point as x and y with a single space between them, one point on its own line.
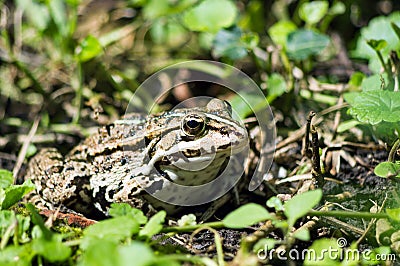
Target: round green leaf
387 169
89 48
211 16
114 229
279 31
337 9
136 252
376 106
100 253
246 215
313 12
300 204
228 43
303 43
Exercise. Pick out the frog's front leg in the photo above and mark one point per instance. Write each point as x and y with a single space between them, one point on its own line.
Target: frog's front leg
59 182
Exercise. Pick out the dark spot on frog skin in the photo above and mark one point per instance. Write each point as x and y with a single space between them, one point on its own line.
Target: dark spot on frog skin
224 131
224 147
123 161
108 128
156 186
111 193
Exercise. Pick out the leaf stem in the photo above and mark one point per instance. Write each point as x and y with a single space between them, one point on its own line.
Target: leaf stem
190 228
385 66
393 151
347 214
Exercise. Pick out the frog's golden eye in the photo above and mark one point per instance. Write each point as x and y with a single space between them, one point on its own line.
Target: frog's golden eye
193 125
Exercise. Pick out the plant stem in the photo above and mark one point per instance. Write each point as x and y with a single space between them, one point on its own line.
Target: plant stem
189 228
393 150
385 66
347 214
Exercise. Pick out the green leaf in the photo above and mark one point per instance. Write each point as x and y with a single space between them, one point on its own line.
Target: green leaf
301 204
6 178
377 45
53 250
338 8
276 203
280 31
8 218
346 125
387 169
114 230
89 48
254 103
264 244
304 43
168 32
374 257
100 253
356 80
313 12
136 252
387 132
124 209
250 40
228 43
396 29
394 214
31 150
317 253
378 28
302 234
211 16
159 8
38 220
246 215
15 193
37 14
276 86
58 14
376 106
154 225
374 82
17 255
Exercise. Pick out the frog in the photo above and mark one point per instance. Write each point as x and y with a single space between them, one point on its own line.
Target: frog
134 157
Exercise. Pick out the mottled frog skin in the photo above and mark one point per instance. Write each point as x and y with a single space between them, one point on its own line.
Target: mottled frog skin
133 156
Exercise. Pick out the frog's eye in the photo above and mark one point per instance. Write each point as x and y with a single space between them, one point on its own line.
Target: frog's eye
193 125
228 107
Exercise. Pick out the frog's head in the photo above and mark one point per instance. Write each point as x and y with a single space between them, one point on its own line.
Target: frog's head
195 144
